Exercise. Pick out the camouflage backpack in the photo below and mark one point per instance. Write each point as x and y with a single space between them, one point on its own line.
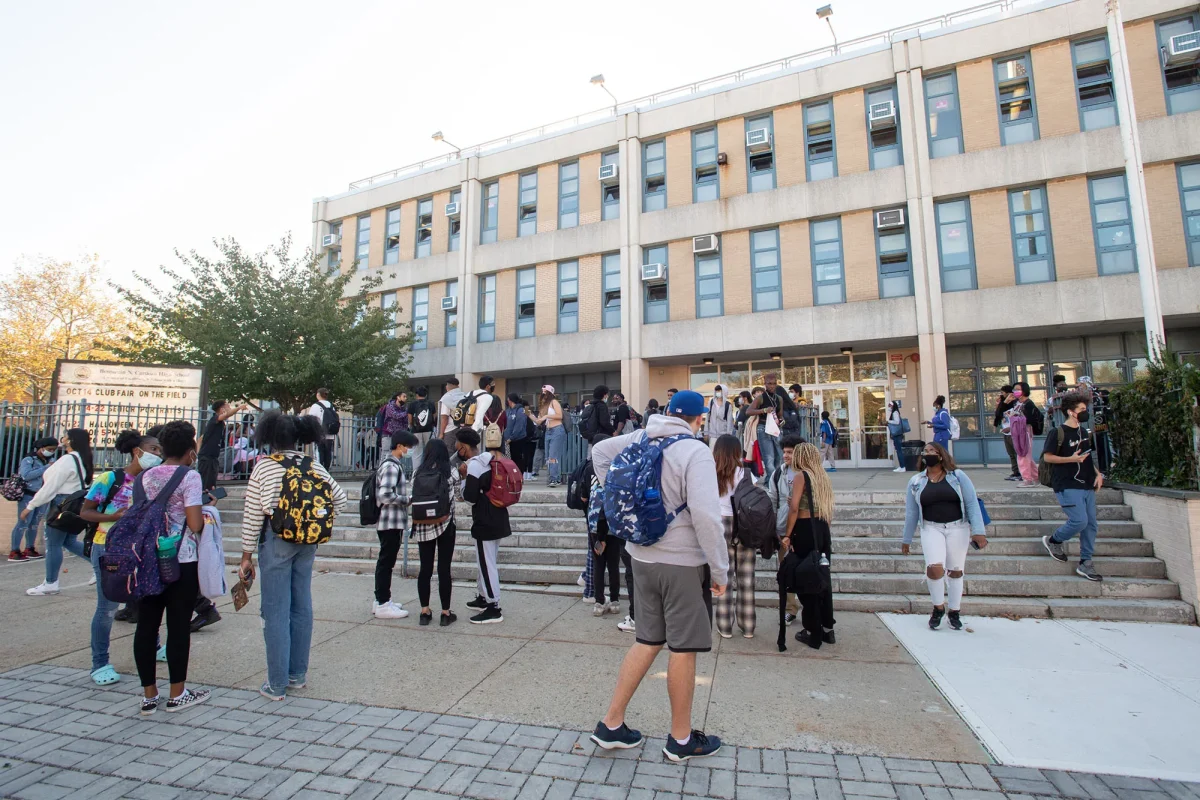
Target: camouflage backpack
304 513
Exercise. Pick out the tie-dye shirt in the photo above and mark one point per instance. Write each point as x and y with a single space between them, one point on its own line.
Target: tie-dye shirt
188 493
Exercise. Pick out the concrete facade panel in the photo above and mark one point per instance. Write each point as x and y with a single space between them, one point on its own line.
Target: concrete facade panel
547 201
408 230
563 146
859 259
390 193
582 351
547 298
850 132
1071 229
408 273
1166 216
590 297
506 304
992 229
667 377
681 280
589 189
731 140
795 264
789 145
679 168
1054 84
1145 69
1173 138
601 237
735 272
441 223
977 103
506 217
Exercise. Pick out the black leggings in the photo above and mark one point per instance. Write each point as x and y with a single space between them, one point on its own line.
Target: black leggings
177 601
610 561
628 577
444 546
522 453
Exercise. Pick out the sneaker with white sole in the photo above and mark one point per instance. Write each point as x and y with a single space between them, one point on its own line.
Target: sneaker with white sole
1086 570
388 610
627 625
92 580
698 745
612 608
266 691
580 582
43 589
149 705
188 699
489 615
1055 549
599 609
899 469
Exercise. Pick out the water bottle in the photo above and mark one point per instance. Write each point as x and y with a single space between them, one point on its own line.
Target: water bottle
651 494
824 562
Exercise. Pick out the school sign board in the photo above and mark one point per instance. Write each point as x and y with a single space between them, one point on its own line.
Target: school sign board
117 383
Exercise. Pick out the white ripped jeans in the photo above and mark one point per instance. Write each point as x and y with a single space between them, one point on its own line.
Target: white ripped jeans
946 543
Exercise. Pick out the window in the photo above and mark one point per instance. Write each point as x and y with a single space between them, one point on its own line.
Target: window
387 301
611 290
654 298
1031 235
1112 224
1014 93
421 316
1094 84
895 266
362 241
1182 80
568 195
455 222
883 134
829 284
1189 187
491 212
526 302
424 227
452 316
391 242
818 141
761 162
610 207
654 176
568 297
527 205
945 124
709 297
956 249
764 270
705 184
334 259
487 308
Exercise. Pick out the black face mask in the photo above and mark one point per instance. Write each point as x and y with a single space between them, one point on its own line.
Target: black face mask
930 459
1083 416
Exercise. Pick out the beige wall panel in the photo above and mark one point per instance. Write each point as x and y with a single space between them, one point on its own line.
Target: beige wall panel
590 300
735 272
378 224
731 140
850 131
992 228
441 224
679 168
506 220
860 264
408 230
1166 216
589 189
1145 69
437 317
977 104
796 264
547 298
506 304
681 280
1054 85
1071 229
547 204
789 145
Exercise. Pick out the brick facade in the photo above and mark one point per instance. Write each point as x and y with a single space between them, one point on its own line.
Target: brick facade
547 298
506 304
1145 70
992 229
408 230
859 258
850 132
441 223
681 280
977 105
506 218
1166 216
789 145
1071 229
731 140
1054 86
378 226
591 301
735 272
589 189
795 264
547 198
679 168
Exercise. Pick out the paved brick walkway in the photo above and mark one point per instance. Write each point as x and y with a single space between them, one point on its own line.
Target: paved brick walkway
62 737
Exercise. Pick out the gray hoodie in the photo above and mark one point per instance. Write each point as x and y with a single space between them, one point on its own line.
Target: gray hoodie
689 475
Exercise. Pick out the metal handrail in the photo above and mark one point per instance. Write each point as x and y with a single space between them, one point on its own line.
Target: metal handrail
681 92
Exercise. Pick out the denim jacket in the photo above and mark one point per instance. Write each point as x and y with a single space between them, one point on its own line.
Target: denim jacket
963 488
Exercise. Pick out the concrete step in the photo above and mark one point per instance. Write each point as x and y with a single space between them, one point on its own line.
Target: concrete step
1123 529
996 512
234 515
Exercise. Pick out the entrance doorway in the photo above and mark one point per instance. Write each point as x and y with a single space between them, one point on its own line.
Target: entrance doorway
855 390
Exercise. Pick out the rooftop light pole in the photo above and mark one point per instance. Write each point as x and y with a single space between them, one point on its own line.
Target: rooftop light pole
825 12
598 80
437 137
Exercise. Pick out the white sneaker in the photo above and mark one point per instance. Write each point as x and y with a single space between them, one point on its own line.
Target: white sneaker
627 625
899 469
612 608
92 580
598 610
43 589
388 610
580 581
587 599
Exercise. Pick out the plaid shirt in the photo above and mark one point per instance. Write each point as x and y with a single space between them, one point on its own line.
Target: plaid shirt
393 494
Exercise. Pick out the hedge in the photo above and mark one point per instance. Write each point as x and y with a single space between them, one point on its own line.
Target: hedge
1152 426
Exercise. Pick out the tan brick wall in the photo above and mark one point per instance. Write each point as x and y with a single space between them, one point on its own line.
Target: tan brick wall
506 304
795 263
1145 69
590 300
547 298
1054 87
437 317
992 229
506 218
735 272
547 205
378 224
789 145
1071 229
679 170
681 278
408 230
589 189
859 262
349 238
977 104
731 140
441 224
1166 216
850 131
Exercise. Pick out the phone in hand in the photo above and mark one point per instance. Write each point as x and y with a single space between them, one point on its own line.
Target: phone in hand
974 545
217 493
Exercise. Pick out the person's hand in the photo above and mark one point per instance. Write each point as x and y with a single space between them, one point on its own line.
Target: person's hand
25 514
785 544
718 590
904 549
980 540
116 515
462 470
1099 481
1079 458
246 568
927 424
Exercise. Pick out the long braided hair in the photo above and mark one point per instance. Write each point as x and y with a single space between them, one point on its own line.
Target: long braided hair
806 458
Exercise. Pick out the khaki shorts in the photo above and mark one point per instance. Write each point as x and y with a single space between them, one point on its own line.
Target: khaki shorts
674 606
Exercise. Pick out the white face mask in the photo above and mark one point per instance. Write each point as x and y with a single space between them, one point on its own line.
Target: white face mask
47 454
149 460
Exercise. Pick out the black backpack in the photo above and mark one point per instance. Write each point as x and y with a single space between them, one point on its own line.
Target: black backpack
330 420
589 422
368 502
423 418
430 497
579 486
65 515
753 515
1037 420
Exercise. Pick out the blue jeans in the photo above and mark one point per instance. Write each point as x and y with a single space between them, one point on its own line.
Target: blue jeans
556 443
769 449
102 620
1080 508
898 444
27 528
56 542
285 570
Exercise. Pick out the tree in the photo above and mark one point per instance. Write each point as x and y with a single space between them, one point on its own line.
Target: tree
271 327
50 310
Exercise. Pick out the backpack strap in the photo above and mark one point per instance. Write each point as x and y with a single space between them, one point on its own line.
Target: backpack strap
79 469
118 482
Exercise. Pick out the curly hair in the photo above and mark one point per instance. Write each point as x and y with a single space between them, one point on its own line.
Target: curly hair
127 441
287 431
177 438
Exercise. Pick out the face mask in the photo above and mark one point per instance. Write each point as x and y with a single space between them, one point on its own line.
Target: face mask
149 460
1083 416
1017 393
930 459
47 454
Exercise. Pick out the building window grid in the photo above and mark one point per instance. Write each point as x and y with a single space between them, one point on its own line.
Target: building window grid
610 290
490 217
654 175
760 167
829 279
655 297
334 258
1094 84
526 303
1033 249
391 240
455 223
1189 200
706 184
487 309
765 271
362 241
819 144
568 297
568 195
895 262
387 302
1181 83
452 316
424 245
527 204
1112 224
956 244
420 317
610 196
710 299
884 144
943 119
1015 99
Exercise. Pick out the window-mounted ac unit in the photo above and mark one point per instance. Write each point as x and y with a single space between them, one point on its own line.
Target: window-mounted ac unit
450 303
1182 49
609 174
705 244
889 219
654 273
882 115
331 241
452 210
758 140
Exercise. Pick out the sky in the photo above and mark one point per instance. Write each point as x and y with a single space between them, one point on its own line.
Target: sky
132 129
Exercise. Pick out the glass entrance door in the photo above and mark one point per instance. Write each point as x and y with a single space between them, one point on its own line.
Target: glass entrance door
859 412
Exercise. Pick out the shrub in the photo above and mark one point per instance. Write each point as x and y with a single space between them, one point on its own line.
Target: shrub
1152 427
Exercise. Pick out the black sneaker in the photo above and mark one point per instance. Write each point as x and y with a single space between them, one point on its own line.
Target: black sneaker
622 738
479 602
698 746
1086 570
955 622
125 614
935 619
188 699
209 617
488 615
788 619
426 618
829 637
448 619
1055 549
149 705
803 637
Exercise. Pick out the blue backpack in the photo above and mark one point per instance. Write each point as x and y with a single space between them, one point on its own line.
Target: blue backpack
633 502
129 566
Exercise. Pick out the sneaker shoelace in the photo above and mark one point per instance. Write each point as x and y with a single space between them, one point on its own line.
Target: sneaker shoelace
698 740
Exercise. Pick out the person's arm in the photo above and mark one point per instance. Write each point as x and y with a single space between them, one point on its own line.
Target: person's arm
756 408
604 452
798 487
974 515
54 480
704 505
32 468
390 485
482 404
443 421
912 514
605 420
472 490
1051 452
941 421
98 492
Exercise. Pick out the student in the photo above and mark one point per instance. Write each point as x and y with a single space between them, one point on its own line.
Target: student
286 567
652 408
940 423
1069 451
69 474
325 414
422 418
451 394
596 419
728 457
779 489
941 500
606 550
32 467
774 401
436 538
393 495
213 442
895 423
1004 404
395 419
625 419
556 435
489 523
828 443
519 435
487 405
810 512
1020 419
721 418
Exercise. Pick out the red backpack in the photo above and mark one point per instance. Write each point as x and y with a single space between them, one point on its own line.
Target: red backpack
505 489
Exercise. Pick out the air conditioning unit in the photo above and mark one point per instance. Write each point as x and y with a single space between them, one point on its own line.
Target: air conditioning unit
609 174
331 241
758 140
1182 49
889 219
705 244
452 210
450 303
882 115
654 273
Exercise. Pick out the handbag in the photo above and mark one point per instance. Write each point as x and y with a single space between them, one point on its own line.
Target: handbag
65 515
13 488
772 425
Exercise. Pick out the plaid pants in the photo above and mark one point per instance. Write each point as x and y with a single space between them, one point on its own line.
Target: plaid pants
589 588
741 576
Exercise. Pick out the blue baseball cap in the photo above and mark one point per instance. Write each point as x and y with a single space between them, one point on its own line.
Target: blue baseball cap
687 403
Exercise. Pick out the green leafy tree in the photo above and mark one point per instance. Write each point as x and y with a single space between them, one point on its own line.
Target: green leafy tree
1153 426
271 327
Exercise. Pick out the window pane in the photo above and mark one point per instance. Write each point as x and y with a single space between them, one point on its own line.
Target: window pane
945 147
824 231
1033 271
710 308
955 211
708 266
768 301
1086 52
1115 236
766 279
833 369
829 271
1112 212
821 171
760 240
1116 262
829 293
1108 188
1189 176
956 280
956 251
1016 134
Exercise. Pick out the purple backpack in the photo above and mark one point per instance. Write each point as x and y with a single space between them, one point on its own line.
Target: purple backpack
129 566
